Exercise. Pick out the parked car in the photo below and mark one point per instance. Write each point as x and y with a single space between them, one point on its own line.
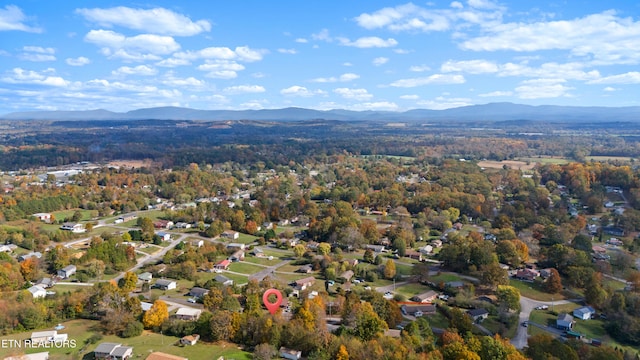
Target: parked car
525 324
192 300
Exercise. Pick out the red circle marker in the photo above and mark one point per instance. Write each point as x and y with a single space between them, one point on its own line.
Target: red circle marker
272 306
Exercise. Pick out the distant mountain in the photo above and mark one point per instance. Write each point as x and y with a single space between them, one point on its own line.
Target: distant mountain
488 112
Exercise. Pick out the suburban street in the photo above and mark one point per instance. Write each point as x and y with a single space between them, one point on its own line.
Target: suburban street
526 306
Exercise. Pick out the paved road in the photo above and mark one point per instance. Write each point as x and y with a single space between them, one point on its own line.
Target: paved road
153 257
526 306
267 271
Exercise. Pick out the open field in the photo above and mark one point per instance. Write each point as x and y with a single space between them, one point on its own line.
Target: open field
545 160
409 290
608 158
512 164
533 291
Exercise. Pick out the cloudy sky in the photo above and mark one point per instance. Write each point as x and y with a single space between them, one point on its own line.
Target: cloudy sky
358 55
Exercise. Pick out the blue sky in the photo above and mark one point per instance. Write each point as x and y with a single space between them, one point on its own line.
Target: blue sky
357 55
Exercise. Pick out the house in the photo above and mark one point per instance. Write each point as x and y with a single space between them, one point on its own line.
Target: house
145 306
412 254
437 243
45 282
190 339
222 265
418 310
8 248
125 218
288 242
426 297
145 277
478 314
46 217
545 273
527 274
236 246
352 262
584 313
67 271
37 292
305 269
612 230
163 224
157 355
376 248
395 333
39 337
598 249
165 284
267 225
164 235
426 250
346 276
35 254
564 321
230 234
223 280
237 256
183 225
290 353
189 314
198 243
198 292
73 227
490 237
35 356
257 252
112 351
615 241
305 283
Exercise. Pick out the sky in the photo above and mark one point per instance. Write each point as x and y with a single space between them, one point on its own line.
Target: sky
355 55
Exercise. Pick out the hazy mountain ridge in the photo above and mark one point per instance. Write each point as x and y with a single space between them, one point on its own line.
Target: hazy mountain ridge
486 112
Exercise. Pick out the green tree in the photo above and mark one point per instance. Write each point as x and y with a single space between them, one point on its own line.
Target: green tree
493 275
368 256
367 323
594 293
128 282
299 250
324 248
460 321
509 297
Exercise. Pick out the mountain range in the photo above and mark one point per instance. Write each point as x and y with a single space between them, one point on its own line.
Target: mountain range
487 112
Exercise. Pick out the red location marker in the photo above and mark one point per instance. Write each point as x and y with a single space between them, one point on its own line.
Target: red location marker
272 306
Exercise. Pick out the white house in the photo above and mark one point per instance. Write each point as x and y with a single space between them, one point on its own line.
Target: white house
73 227
584 313
46 217
230 234
145 277
164 236
188 314
290 353
113 351
38 337
240 246
67 271
164 284
37 292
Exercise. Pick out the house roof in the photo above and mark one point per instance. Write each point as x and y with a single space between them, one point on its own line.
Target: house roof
426 295
145 276
347 274
221 278
145 305
191 338
585 310
69 268
120 351
183 311
163 356
106 348
39 334
478 312
198 291
411 309
565 317
35 289
306 280
164 282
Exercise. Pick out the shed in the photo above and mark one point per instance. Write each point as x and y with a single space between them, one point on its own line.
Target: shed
564 321
584 313
290 353
67 271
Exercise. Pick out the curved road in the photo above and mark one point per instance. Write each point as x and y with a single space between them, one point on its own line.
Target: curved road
526 306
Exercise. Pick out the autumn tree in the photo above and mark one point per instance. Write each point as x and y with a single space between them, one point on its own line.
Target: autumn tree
299 250
156 315
342 353
509 297
594 293
324 248
553 285
128 282
389 270
28 268
367 323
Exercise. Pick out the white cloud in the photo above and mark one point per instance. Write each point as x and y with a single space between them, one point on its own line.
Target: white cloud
21 76
156 21
347 64
369 42
573 70
323 35
469 66
244 89
39 49
433 79
12 18
221 69
173 62
353 94
441 103
456 5
141 47
138 70
249 55
401 51
79 61
287 51
301 91
375 106
342 78
419 68
408 17
609 89
380 61
603 38
409 97
632 77
37 53
241 53
254 104
542 88
186 82
496 94
302 40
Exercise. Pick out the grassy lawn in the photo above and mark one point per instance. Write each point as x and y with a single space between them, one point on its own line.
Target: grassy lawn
494 325
237 279
81 330
261 261
68 214
534 291
245 268
149 249
444 278
438 320
410 290
245 238
403 269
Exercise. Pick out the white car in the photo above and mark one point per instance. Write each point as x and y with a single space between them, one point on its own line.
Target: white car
192 300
